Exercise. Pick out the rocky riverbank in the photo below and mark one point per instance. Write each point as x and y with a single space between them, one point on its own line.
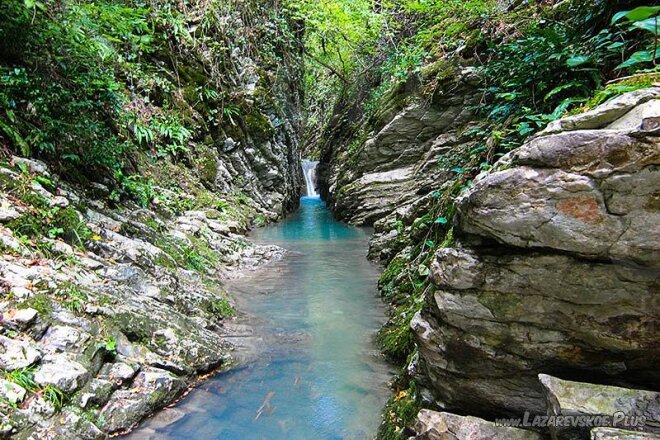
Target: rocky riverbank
96 338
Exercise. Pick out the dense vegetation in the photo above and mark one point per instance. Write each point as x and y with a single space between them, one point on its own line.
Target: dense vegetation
94 86
538 60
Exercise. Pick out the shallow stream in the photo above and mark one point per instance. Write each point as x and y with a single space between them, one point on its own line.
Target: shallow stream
314 372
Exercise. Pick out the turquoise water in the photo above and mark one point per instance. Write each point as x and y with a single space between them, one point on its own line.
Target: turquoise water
315 372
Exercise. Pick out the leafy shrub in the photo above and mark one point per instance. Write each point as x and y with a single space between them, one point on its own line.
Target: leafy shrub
534 79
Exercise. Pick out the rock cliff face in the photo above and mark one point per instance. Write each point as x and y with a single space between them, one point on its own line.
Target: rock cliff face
552 262
251 146
555 267
396 162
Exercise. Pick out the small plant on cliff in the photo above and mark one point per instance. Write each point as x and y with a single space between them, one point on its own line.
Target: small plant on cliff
109 344
399 414
53 395
222 308
72 297
23 377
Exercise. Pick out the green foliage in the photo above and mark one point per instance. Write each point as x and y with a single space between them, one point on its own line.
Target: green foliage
221 308
340 38
400 414
196 256
91 85
52 222
71 297
230 112
109 344
24 377
135 186
535 78
39 302
68 120
404 288
643 18
260 221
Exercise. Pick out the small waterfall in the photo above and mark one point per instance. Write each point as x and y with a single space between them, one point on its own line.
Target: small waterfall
309 171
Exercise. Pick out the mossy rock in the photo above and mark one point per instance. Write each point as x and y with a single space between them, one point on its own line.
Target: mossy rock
208 167
258 126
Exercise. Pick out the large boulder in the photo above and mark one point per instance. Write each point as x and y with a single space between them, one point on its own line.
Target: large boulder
431 425
15 353
152 388
610 407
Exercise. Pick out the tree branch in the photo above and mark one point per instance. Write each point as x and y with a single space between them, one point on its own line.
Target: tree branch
334 71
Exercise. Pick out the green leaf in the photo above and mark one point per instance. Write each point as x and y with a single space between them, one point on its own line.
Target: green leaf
642 56
429 243
650 24
637 14
423 270
578 60
16 138
441 220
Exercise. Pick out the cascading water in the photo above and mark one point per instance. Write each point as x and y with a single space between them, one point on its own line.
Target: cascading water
309 171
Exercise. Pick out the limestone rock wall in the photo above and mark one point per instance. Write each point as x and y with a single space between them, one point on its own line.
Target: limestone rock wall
254 150
397 163
555 267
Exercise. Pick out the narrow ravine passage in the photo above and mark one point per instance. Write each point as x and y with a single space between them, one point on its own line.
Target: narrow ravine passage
316 373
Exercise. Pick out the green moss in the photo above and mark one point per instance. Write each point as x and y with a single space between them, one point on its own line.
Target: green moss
198 256
393 270
75 229
208 168
258 126
399 414
636 82
396 339
52 222
137 328
260 220
165 260
39 302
